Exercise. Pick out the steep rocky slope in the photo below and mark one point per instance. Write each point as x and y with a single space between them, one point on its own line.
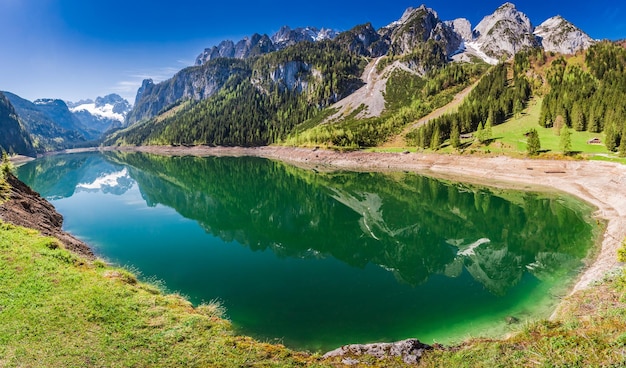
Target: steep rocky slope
27 208
197 83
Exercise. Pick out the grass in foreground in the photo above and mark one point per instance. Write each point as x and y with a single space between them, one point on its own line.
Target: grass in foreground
58 310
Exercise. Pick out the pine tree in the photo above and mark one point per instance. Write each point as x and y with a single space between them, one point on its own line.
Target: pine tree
533 145
479 132
559 123
487 131
517 107
610 138
434 142
566 140
578 117
622 145
455 135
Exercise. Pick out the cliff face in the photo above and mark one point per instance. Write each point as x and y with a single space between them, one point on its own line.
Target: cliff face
27 208
196 83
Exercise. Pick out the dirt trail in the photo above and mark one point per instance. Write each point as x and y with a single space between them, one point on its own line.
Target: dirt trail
398 140
598 183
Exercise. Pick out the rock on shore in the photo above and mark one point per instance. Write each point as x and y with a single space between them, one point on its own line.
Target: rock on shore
410 350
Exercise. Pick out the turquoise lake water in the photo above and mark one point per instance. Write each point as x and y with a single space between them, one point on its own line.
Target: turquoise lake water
317 260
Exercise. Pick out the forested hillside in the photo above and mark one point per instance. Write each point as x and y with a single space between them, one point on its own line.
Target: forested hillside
493 100
583 92
13 136
589 96
261 102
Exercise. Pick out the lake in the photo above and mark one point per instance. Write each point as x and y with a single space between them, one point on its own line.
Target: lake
316 260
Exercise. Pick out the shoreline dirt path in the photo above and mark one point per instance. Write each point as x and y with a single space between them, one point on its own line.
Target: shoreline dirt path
602 184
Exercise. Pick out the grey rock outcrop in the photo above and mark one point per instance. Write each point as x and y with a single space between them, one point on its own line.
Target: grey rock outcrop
505 32
558 35
462 27
410 350
291 76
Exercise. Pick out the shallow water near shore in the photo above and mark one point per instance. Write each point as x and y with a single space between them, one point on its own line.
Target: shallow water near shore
317 260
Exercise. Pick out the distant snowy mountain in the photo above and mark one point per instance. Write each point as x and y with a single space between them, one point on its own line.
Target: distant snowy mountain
103 114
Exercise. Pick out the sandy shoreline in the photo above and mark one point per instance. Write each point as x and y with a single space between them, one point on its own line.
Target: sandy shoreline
601 184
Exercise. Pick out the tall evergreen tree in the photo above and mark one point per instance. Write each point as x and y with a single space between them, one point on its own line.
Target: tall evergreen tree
566 140
434 143
455 135
533 144
622 144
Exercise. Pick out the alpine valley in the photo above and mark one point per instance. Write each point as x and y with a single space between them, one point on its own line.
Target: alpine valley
358 88
287 185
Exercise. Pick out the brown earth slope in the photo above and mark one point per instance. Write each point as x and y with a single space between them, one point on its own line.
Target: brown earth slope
27 208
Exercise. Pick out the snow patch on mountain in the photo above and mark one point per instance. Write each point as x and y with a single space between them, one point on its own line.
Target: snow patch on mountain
105 111
475 48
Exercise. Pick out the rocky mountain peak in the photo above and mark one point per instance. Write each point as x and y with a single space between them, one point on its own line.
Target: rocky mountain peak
286 36
254 45
419 25
146 87
505 32
102 114
257 44
559 35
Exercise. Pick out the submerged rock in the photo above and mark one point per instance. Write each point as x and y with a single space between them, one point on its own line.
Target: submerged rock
410 350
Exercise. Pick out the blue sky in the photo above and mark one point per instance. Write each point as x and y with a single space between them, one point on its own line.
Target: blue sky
77 49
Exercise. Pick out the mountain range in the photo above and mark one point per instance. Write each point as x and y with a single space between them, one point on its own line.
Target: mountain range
499 35
287 78
53 124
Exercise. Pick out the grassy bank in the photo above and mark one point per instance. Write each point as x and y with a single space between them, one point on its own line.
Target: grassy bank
58 310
